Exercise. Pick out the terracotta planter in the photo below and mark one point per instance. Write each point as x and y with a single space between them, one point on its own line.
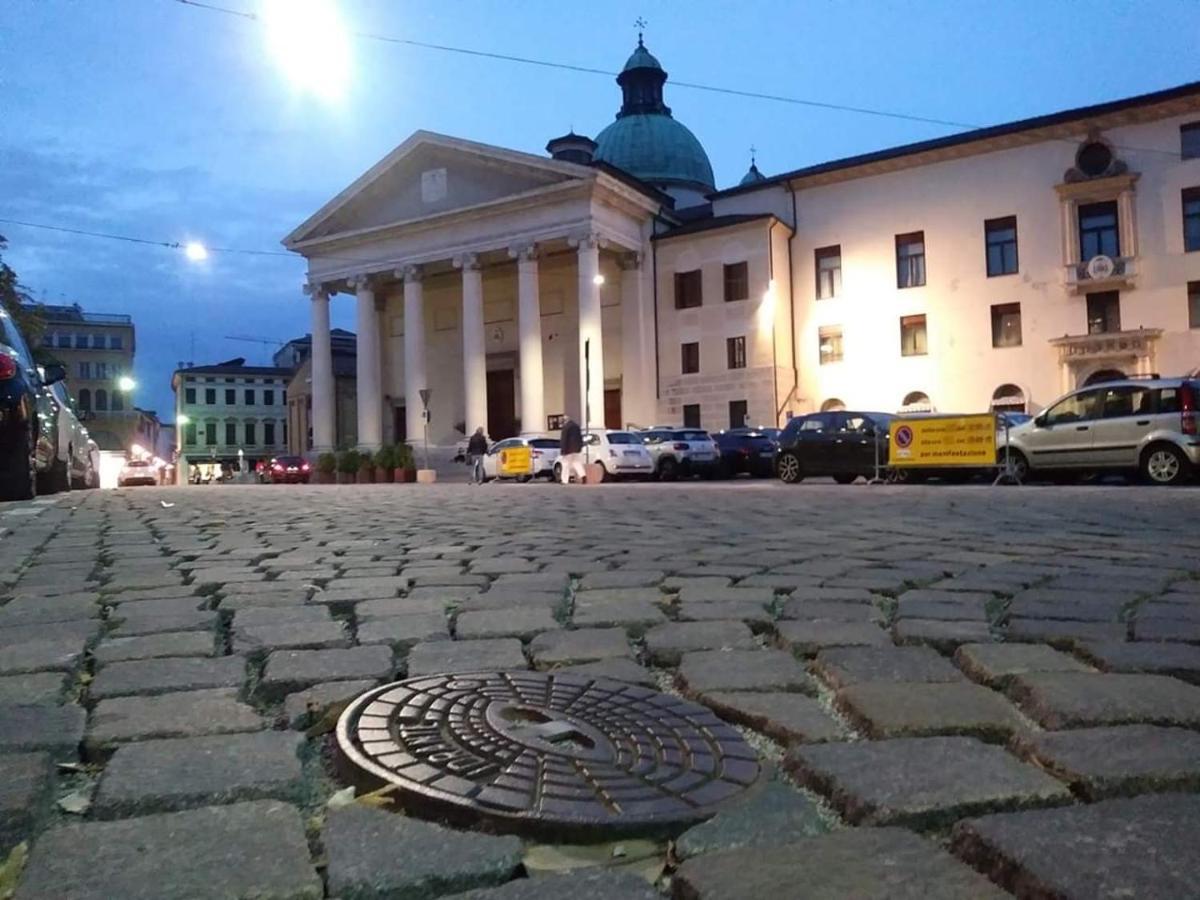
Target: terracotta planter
365 476
404 476
324 477
383 476
345 478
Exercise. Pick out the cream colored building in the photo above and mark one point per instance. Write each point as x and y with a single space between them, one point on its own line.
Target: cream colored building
613 283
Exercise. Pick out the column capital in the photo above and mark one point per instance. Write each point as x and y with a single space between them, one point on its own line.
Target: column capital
410 273
524 253
587 239
316 290
467 261
630 261
361 282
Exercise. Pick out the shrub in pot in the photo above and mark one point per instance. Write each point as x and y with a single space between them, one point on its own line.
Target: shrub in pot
348 462
366 468
385 464
406 469
326 468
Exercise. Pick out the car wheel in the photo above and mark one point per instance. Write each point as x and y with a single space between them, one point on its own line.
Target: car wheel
790 470
1017 464
58 478
557 470
668 470
845 479
1163 464
605 475
18 479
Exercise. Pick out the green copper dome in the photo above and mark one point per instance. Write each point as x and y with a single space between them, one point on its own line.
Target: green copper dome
645 141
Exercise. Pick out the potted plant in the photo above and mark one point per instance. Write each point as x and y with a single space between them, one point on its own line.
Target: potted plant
347 466
366 468
406 470
326 468
385 464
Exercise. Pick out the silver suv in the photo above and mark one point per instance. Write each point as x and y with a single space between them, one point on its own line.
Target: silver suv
1143 425
681 452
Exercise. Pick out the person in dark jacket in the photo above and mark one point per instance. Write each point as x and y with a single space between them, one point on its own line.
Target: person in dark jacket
477 446
570 445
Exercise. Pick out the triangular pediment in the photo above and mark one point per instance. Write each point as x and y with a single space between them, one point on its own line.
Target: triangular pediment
429 175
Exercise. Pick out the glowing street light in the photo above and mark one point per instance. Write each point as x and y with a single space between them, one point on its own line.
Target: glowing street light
182 419
310 43
597 279
126 384
195 251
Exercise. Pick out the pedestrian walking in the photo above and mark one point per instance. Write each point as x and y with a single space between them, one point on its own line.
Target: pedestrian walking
476 447
570 445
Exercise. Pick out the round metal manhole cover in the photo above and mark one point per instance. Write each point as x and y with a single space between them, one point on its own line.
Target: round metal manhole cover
544 752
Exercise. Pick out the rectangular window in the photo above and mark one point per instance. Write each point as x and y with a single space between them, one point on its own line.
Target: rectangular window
1194 304
102 370
1104 312
1191 219
739 412
1189 140
115 342
251 440
268 398
249 397
230 396
687 289
81 342
1000 237
829 271
737 282
231 434
1098 235
64 341
829 344
85 370
913 340
1006 325
735 352
689 363
189 434
210 396
210 433
910 259
691 415
268 433
48 339
189 396
97 342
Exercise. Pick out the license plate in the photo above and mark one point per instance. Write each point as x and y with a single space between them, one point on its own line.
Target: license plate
766 454
633 454
702 455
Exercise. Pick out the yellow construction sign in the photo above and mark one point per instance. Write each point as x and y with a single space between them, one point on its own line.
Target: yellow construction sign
943 441
515 461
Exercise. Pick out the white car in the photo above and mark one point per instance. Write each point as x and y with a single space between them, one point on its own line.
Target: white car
545 455
621 454
138 471
681 452
73 440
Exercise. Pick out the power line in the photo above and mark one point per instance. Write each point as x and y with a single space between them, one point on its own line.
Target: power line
130 239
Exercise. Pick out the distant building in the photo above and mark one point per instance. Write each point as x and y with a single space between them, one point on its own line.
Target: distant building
227 407
297 353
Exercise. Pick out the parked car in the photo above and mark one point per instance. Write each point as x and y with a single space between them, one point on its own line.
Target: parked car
749 451
137 471
545 454
74 439
841 444
31 458
681 452
287 470
1148 426
621 454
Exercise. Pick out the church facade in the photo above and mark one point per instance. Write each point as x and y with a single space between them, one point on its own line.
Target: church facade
612 282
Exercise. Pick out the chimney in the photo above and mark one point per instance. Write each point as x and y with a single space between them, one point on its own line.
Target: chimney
572 147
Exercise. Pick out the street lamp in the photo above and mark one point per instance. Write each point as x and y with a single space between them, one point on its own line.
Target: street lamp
126 384
195 251
182 419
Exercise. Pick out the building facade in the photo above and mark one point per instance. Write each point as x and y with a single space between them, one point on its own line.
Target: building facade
613 283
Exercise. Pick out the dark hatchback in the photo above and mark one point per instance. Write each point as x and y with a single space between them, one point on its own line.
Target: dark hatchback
747 451
288 470
28 419
839 444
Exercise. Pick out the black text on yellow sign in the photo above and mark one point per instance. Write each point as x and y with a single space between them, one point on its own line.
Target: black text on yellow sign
943 441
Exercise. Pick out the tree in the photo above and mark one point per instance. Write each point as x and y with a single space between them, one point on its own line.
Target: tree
17 304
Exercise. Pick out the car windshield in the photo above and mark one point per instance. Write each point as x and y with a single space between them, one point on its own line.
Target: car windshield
544 443
691 436
289 460
622 437
137 464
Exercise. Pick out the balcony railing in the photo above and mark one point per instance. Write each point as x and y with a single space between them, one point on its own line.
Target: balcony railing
1100 272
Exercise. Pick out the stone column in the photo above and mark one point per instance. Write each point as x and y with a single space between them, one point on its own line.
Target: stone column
414 351
529 327
370 388
635 354
474 353
591 370
322 371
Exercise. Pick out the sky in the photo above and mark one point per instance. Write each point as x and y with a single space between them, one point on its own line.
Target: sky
158 120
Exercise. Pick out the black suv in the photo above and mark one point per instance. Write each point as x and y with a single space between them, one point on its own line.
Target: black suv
28 420
841 444
747 450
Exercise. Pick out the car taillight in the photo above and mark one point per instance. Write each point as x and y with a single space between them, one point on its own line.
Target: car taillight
304 467
8 367
680 446
1187 410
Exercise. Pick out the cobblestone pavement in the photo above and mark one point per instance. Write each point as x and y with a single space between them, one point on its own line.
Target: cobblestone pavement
957 691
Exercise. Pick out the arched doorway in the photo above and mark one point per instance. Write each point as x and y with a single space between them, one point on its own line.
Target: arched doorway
916 402
1102 375
1009 398
833 404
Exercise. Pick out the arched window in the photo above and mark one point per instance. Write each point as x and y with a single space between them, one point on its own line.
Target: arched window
1102 375
1008 398
118 405
84 400
916 402
833 404
101 399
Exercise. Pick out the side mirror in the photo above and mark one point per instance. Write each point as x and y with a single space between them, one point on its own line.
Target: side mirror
1040 421
53 373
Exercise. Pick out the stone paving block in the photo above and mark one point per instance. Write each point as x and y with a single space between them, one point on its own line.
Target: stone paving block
1076 700
423 859
499 600
178 773
786 717
753 614
57 655
667 643
83 630
1163 629
309 706
940 634
1178 660
1118 761
844 666
773 816
634 616
894 709
617 669
835 610
34 688
188 714
809 638
273 599
167 607
1061 633
501 565
255 849
435 657
561 648
152 646
710 594
1170 607
779 581
518 623
258 639
705 671
549 582
859 863
54 729
146 677
252 616
132 625
25 783
794 607
402 632
924 783
288 671
622 578
969 606
35 611
679 582
996 664
401 606
582 884
1143 847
